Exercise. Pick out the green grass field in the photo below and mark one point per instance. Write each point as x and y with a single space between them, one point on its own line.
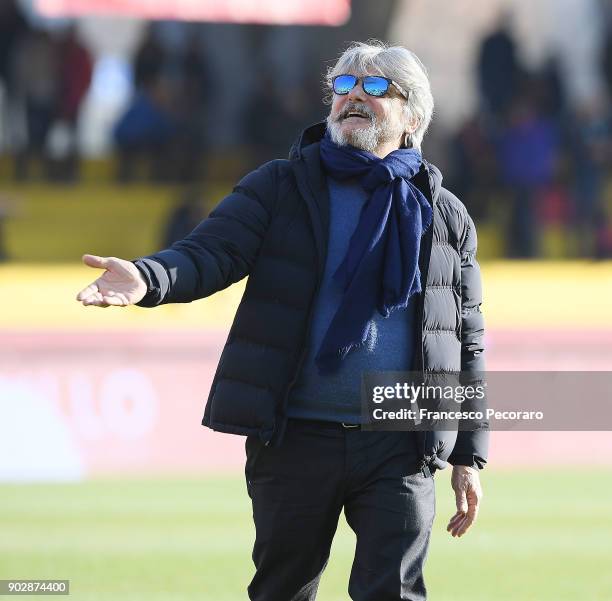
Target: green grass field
542 535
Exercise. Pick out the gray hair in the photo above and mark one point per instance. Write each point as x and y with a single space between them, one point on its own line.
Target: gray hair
397 63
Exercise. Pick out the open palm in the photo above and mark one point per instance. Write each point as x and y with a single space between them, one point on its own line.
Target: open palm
120 285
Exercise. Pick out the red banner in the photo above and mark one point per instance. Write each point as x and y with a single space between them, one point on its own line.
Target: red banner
74 405
277 12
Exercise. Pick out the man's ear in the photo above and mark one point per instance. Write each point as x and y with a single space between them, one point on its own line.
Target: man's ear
413 124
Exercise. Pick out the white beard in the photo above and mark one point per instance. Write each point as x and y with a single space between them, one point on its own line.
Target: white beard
365 138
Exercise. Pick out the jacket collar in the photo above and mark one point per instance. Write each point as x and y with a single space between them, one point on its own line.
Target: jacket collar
310 179
311 135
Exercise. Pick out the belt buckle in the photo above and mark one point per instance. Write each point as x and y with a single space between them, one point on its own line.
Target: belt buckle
344 425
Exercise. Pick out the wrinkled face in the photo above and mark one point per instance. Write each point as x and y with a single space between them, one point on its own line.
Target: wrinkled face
368 122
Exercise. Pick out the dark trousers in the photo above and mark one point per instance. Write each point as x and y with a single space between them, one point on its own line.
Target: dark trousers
298 491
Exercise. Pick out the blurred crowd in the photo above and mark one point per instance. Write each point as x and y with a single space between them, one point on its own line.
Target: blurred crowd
527 158
43 78
165 120
531 157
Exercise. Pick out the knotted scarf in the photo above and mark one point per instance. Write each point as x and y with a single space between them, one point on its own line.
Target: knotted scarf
380 270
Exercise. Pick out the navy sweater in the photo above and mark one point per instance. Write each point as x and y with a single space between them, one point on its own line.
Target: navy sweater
390 342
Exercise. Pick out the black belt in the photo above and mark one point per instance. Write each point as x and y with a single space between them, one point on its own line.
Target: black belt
325 424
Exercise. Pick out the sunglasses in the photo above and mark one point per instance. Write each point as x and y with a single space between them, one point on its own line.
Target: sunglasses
373 85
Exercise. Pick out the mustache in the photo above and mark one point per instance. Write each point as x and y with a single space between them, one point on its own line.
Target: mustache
356 108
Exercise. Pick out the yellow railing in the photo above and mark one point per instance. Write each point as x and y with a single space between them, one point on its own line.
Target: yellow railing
517 294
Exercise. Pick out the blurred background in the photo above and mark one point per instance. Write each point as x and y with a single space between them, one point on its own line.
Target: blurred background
122 124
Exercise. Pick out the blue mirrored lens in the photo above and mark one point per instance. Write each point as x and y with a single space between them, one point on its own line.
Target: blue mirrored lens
343 84
375 86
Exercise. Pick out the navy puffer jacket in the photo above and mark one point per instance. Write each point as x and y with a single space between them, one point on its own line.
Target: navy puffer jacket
273 228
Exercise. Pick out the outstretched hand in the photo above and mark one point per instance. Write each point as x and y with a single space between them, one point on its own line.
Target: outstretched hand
120 285
468 495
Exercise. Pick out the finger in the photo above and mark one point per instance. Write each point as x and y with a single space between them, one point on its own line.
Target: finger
118 298
96 261
123 298
94 295
471 515
454 524
453 530
86 292
455 520
115 301
456 530
96 300
463 527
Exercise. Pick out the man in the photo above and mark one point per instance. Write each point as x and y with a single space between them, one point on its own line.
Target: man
357 259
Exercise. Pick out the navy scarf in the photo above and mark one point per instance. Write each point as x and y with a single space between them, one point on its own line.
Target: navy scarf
381 268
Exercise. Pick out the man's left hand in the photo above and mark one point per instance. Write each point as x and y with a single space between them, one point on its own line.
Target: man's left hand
468 494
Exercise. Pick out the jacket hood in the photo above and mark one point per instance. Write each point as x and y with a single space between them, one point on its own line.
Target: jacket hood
314 134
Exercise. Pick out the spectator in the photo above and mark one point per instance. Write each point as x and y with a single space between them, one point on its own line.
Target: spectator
527 151
149 60
5 211
185 216
36 80
192 109
473 171
146 131
499 72
591 151
74 80
13 27
270 116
